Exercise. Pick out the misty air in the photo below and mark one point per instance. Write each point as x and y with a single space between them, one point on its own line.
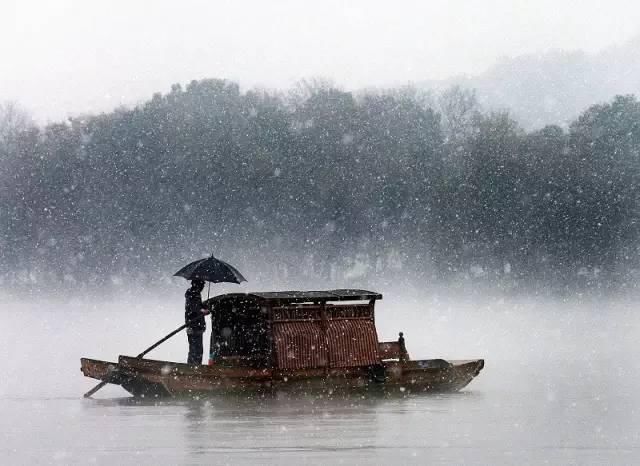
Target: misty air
319 233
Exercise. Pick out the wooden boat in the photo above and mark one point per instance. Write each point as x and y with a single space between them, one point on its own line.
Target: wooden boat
290 342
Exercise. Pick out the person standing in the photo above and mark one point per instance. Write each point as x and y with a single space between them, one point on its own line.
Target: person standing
194 313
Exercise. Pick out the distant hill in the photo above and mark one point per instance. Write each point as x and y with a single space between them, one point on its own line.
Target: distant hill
553 88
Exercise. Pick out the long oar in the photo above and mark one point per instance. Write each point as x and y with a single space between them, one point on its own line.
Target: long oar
156 344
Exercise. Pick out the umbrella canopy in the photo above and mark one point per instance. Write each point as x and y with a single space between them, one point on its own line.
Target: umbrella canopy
211 270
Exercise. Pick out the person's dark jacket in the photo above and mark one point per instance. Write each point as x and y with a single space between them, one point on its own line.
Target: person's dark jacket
193 311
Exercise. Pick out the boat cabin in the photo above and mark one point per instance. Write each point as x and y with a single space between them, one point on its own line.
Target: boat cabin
290 330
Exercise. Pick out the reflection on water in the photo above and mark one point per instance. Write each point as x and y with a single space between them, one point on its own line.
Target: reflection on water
566 420
559 387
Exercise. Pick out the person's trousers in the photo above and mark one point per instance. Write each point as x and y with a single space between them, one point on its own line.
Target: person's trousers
195 348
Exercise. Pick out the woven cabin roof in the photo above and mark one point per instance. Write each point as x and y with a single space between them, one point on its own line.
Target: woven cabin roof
283 297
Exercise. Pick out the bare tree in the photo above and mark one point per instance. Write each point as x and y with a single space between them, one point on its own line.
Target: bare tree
13 120
457 106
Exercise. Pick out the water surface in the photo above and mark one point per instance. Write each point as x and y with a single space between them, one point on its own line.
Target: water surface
559 387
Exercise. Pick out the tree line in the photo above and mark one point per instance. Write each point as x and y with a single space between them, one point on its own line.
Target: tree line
320 183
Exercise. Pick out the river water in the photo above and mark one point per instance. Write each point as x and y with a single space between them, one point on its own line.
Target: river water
559 387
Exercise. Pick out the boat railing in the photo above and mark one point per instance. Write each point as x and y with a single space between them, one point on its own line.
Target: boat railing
315 312
389 350
393 350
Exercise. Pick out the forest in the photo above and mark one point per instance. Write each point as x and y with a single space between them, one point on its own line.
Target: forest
320 184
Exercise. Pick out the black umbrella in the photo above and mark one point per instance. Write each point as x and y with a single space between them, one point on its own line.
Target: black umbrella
211 270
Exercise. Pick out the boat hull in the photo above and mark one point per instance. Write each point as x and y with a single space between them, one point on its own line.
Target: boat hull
152 378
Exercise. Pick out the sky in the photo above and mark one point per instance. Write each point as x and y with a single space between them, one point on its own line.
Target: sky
67 57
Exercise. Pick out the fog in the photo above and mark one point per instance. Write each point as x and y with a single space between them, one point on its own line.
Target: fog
474 162
558 387
596 333
68 57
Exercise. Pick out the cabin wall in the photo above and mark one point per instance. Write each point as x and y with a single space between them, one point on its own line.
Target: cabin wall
352 343
332 335
300 344
239 329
